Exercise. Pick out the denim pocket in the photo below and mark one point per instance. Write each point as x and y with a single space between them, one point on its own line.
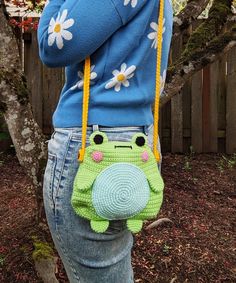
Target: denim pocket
57 151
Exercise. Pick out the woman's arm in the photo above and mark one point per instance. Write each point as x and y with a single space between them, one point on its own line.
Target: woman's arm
71 30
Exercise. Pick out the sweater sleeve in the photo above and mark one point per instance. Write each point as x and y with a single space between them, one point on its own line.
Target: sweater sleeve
71 30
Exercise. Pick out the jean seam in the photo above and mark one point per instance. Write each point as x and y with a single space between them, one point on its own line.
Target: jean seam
67 257
52 177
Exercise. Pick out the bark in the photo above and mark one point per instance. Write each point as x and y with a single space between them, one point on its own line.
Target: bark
189 14
26 135
210 28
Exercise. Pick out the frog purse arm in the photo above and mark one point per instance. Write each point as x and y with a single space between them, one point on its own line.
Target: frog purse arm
119 180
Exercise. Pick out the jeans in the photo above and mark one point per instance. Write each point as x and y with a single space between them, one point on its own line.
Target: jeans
88 257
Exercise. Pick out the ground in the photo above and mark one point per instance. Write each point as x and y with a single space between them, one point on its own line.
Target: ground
198 247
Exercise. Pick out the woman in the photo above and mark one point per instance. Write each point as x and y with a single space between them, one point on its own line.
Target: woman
120 38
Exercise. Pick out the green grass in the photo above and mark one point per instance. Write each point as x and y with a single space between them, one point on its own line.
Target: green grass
226 162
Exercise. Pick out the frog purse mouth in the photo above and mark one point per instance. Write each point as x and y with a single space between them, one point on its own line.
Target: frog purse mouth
119 180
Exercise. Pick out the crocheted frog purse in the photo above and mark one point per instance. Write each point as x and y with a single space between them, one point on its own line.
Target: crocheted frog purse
119 180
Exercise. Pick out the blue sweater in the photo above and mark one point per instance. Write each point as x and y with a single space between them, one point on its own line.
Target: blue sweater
120 38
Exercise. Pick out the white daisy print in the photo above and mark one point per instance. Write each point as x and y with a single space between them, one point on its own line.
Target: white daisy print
153 35
121 77
162 81
133 3
80 83
58 30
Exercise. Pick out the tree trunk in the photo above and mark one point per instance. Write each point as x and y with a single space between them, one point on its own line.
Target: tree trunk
26 135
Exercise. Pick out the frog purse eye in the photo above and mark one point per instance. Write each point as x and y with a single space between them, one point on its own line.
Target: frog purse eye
98 139
118 180
140 141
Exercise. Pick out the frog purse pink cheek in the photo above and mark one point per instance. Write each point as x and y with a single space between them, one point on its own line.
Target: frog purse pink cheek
119 180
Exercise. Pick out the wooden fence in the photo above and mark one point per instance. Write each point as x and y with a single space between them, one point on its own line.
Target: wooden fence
201 117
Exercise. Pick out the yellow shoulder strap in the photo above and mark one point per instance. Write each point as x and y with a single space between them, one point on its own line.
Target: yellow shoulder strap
86 91
158 81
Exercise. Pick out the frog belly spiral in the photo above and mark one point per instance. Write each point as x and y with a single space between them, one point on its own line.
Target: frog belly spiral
120 191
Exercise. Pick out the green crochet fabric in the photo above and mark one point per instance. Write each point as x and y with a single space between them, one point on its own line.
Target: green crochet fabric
117 180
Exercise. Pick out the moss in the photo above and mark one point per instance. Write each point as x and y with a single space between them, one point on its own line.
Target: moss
216 46
41 250
210 28
219 43
207 38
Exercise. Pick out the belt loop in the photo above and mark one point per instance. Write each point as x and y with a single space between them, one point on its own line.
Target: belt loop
95 128
145 130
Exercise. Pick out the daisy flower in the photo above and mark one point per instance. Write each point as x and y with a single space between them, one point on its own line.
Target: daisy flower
153 35
133 3
58 30
121 77
80 83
